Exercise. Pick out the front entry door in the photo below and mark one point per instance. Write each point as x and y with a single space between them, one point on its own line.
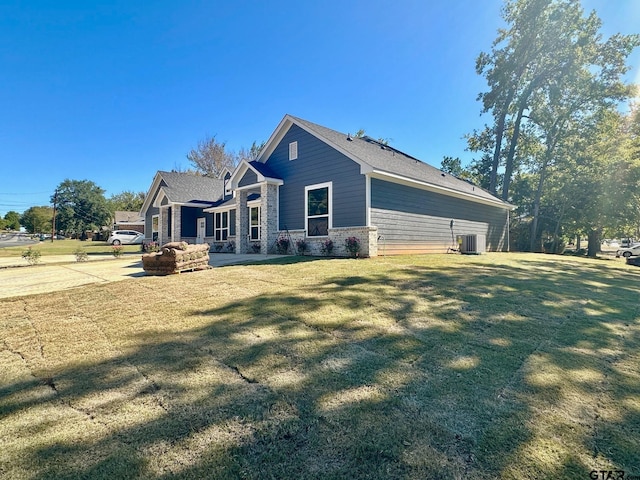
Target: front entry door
202 230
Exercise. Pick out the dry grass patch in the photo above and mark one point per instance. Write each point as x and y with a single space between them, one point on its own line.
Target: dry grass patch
498 366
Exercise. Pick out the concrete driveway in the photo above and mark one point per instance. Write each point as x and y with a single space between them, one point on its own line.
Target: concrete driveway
55 273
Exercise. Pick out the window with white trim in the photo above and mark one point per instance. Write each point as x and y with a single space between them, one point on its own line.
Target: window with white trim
293 150
221 226
318 207
254 223
155 226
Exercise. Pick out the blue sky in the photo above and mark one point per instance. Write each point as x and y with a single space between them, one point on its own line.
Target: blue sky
113 91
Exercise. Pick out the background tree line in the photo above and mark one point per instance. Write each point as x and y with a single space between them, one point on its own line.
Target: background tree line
81 205
558 146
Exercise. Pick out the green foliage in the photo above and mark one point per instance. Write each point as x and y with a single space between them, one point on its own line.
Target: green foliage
37 219
126 201
31 256
81 206
555 246
12 220
117 250
546 69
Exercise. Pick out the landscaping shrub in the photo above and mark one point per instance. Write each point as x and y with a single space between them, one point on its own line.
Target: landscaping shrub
31 256
282 245
554 246
117 251
352 244
301 246
81 254
327 247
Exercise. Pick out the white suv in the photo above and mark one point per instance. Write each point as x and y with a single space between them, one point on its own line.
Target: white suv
125 237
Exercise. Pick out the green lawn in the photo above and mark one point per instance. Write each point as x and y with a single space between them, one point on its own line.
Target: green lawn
511 366
66 247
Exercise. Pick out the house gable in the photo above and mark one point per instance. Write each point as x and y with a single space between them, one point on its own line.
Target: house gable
382 161
317 162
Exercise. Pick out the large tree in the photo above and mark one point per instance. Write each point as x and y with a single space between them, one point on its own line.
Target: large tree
546 47
211 157
81 206
37 219
126 201
12 220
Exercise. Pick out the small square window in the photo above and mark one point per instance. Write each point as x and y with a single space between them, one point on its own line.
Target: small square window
293 150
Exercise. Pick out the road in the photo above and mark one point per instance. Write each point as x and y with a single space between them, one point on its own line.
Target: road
15 239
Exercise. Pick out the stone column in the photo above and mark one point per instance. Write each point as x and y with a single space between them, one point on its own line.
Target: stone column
242 222
163 225
268 216
176 221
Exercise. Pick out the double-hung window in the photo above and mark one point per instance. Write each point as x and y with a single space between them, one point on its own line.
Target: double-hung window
221 226
318 201
254 223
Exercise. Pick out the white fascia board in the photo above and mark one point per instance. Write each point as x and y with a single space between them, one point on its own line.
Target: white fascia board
237 174
147 199
187 204
410 182
159 197
274 139
221 208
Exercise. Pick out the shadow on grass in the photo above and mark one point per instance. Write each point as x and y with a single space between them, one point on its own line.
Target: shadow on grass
404 371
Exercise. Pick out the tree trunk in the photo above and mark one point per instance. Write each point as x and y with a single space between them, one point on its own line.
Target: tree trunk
594 243
536 202
508 172
493 179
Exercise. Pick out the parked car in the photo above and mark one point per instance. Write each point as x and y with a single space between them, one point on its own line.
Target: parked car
125 237
631 251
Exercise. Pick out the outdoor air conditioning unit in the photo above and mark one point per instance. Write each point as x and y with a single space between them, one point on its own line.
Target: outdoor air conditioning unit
473 244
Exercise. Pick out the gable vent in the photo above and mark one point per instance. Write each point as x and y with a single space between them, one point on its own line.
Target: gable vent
293 150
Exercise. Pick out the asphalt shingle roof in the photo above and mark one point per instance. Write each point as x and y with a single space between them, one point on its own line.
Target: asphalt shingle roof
186 187
387 159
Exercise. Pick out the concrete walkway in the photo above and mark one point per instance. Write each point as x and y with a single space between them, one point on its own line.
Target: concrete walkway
60 272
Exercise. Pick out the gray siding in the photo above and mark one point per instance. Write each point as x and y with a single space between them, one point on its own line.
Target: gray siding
412 220
249 178
317 162
148 221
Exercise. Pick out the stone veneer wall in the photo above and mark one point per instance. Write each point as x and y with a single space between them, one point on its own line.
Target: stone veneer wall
162 226
176 223
368 237
268 216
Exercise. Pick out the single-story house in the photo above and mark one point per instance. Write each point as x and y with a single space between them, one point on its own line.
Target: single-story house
313 183
128 221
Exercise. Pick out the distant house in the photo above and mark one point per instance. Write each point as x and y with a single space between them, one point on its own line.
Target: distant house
313 183
128 221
